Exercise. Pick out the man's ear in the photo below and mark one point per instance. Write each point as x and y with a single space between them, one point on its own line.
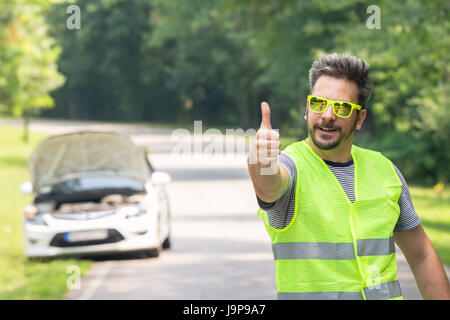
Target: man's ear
361 115
306 111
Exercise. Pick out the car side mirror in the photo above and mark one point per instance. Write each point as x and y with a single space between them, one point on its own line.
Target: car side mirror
26 188
160 178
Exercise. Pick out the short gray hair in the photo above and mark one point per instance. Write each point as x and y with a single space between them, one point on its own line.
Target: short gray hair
343 66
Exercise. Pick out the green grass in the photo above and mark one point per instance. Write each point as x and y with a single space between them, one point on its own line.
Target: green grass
434 210
19 277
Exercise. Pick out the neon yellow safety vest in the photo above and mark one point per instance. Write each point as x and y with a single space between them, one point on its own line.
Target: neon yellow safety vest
333 249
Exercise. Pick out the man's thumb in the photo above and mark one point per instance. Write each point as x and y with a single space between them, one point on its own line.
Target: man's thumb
265 111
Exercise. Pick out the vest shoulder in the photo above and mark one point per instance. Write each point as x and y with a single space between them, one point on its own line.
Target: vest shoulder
369 154
296 151
293 147
377 162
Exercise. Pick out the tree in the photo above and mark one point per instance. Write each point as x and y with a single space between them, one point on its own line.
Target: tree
214 71
103 61
28 71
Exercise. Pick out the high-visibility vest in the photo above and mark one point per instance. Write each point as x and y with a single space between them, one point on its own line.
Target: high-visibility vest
333 249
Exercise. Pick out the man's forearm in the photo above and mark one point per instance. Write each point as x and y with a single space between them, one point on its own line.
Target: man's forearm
268 187
430 276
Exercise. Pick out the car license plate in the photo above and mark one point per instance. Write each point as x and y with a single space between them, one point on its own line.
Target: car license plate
86 235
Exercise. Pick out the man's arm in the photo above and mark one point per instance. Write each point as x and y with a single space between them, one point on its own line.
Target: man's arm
268 177
269 188
424 262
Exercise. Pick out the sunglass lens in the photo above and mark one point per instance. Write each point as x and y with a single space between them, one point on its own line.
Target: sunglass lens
317 105
342 109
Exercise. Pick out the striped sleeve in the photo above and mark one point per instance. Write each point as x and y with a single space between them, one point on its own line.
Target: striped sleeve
408 218
280 212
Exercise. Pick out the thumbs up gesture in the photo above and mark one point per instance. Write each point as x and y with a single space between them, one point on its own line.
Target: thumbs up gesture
267 143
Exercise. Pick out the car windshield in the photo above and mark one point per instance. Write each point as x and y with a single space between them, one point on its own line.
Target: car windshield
95 185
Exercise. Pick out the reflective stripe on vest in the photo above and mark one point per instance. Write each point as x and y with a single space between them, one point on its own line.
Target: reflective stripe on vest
375 247
383 291
334 251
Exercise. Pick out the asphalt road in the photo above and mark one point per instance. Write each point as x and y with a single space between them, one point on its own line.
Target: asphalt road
220 249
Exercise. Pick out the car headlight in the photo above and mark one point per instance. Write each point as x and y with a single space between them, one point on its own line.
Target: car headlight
33 216
131 212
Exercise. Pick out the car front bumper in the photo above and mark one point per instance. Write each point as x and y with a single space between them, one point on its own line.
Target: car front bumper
46 241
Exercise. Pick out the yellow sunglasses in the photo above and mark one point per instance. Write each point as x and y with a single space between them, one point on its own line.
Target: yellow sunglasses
342 109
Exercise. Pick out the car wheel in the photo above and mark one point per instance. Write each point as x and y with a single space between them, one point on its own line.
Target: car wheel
166 243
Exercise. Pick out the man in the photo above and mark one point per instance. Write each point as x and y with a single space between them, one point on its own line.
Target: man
333 210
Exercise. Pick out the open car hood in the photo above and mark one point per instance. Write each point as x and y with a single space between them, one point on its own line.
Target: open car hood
74 155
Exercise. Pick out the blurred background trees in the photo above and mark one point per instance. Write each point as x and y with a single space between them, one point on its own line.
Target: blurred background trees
28 69
178 61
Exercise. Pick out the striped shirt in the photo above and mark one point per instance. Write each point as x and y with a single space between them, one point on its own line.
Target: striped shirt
281 212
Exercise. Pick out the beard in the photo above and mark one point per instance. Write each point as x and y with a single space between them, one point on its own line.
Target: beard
325 141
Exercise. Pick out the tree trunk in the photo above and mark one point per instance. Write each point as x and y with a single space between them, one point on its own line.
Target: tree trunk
26 121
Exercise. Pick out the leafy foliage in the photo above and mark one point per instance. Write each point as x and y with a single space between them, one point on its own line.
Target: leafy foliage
215 61
411 70
28 70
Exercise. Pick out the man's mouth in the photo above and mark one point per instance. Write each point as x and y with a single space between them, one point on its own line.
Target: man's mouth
326 130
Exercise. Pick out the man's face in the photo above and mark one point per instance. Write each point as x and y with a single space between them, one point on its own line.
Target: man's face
326 130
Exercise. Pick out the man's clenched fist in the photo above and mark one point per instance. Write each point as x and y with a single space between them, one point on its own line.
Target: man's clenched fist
267 143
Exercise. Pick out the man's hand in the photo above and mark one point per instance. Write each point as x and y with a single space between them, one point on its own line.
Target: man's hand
268 177
267 144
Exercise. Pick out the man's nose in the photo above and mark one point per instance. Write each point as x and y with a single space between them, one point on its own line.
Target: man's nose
328 113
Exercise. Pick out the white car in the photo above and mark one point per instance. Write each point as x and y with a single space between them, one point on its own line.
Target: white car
94 192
